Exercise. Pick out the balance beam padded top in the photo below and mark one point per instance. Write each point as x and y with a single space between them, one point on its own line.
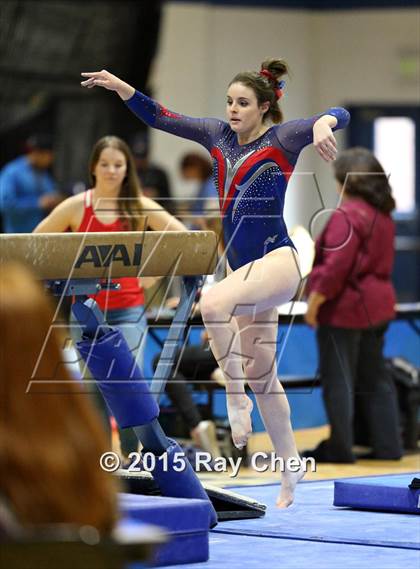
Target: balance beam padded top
112 255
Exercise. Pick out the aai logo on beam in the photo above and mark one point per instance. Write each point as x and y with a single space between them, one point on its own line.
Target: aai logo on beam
103 255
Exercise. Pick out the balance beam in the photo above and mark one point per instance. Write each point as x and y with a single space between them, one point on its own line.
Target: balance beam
112 255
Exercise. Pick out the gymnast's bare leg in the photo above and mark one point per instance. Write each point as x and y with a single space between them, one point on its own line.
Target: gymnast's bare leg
240 316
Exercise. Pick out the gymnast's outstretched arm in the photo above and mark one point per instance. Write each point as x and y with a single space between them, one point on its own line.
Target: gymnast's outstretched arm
317 130
201 130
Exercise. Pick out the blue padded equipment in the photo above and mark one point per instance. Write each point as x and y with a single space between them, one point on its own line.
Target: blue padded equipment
128 396
90 318
177 478
119 379
382 493
185 520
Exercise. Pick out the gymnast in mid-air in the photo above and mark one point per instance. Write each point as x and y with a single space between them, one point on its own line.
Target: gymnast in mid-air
254 155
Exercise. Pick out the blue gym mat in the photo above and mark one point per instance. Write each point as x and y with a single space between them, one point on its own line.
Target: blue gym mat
313 518
250 552
312 532
184 520
382 493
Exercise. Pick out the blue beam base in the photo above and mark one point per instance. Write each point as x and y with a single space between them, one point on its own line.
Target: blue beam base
130 401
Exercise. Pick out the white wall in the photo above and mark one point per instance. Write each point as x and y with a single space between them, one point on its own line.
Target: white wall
359 57
336 58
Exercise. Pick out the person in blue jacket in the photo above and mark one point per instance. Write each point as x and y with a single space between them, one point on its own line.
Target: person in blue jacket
254 155
27 189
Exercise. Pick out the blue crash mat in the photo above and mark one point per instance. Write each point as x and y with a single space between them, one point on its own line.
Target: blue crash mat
313 517
383 493
186 521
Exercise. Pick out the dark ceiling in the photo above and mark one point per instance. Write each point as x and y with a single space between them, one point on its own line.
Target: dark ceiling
45 45
312 4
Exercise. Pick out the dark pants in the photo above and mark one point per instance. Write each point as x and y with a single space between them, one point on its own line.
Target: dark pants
351 361
194 369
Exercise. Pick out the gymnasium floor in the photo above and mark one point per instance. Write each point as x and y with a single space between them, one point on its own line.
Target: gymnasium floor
312 532
308 438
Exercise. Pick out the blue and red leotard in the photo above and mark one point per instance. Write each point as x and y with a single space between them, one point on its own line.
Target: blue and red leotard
251 179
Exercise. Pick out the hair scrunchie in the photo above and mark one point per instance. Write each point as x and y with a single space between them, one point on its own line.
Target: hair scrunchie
278 90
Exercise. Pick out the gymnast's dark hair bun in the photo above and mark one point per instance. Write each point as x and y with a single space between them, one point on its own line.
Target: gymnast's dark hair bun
277 67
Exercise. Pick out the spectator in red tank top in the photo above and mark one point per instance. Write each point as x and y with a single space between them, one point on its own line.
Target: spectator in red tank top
351 301
114 203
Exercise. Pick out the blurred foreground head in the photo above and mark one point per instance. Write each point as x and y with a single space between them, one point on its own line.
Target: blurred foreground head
50 436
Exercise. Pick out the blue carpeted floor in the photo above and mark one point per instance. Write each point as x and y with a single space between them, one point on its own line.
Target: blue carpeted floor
314 532
250 552
313 517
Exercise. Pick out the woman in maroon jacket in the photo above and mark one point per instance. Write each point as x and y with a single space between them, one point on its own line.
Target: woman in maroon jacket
351 301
